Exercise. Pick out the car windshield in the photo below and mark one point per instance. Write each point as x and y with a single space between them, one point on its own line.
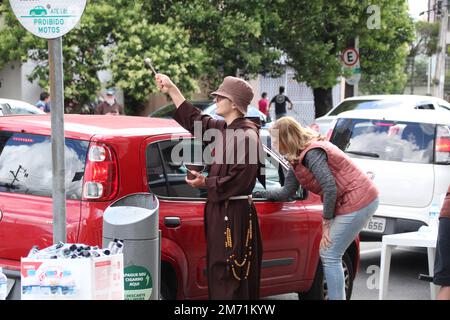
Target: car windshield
364 104
385 140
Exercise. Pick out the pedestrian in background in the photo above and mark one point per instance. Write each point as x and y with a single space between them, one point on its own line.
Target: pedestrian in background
349 197
110 106
280 103
263 104
233 239
441 275
44 102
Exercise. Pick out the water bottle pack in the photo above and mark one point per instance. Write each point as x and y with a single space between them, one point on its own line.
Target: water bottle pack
63 250
49 272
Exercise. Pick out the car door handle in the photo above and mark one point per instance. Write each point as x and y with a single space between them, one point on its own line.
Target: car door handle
172 222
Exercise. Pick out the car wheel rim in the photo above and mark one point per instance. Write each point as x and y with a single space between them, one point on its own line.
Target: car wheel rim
346 282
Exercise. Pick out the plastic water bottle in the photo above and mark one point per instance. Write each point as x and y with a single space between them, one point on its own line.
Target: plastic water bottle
50 284
30 283
3 285
67 283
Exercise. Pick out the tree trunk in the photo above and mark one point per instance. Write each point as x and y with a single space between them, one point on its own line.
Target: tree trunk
323 101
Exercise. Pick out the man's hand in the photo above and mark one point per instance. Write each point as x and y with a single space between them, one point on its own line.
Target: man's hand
290 106
198 182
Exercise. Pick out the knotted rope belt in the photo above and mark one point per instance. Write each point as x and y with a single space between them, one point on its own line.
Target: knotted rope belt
247 252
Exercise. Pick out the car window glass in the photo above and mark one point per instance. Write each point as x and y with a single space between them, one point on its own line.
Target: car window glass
385 140
5 109
164 112
167 175
19 110
363 104
155 172
274 173
444 107
425 106
26 164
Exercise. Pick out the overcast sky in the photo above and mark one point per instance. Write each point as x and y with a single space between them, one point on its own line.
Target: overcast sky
417 6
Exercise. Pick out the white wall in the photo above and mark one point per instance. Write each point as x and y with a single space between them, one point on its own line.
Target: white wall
11 81
30 91
14 83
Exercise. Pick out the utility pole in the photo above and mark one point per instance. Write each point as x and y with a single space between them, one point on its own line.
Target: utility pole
58 140
438 86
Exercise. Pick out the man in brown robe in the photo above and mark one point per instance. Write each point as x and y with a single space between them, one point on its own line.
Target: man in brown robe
234 246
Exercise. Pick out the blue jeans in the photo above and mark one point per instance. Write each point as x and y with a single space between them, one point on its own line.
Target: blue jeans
343 230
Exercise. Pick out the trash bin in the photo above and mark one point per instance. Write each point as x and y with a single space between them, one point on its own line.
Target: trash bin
134 219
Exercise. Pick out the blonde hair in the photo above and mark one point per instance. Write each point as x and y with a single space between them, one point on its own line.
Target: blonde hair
294 137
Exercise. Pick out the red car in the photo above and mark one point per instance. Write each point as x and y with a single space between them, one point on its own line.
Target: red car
137 159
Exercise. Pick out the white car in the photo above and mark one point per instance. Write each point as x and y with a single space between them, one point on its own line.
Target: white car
407 154
10 106
408 102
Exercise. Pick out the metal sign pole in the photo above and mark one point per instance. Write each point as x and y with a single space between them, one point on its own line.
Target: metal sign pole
58 140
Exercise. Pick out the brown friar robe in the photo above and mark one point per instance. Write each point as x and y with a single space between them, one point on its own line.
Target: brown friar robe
234 256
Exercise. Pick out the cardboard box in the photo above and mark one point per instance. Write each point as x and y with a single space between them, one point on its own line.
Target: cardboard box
73 279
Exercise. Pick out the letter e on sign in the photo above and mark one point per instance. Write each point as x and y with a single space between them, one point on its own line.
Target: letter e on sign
350 57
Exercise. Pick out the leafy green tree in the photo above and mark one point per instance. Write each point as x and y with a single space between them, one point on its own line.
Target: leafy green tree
112 35
314 39
425 43
167 45
384 50
233 34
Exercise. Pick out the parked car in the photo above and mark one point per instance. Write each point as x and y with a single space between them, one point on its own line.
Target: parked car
109 158
408 156
10 106
404 102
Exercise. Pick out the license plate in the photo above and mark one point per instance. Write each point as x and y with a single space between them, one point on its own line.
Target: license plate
375 225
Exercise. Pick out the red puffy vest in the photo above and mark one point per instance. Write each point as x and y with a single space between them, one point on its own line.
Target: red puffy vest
354 188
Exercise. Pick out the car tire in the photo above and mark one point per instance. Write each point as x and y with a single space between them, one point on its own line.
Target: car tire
166 292
318 289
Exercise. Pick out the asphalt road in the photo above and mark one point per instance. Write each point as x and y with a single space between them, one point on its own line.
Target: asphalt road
406 265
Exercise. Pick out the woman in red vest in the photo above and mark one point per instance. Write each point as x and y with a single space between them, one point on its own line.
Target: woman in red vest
349 197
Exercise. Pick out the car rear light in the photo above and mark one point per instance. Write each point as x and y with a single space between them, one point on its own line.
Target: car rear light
443 144
442 149
101 174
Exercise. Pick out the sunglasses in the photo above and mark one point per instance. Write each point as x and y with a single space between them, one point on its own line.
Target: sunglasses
219 98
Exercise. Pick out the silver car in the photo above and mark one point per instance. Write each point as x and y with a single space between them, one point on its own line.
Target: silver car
13 107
